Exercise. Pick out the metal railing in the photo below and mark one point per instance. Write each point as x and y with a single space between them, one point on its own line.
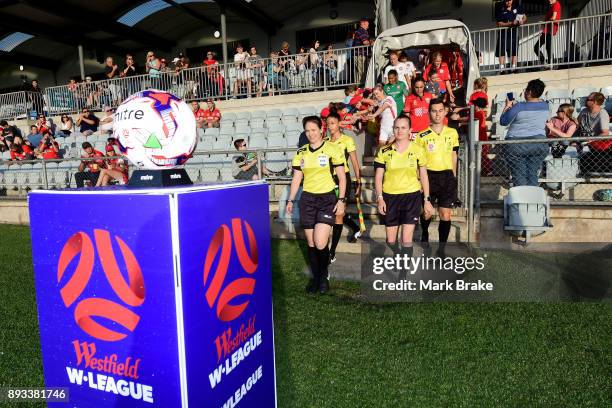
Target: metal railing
569 42
572 170
21 105
254 77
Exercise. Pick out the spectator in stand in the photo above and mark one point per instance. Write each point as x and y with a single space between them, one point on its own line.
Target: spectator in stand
330 61
404 70
4 144
20 150
362 37
349 92
130 70
526 120
117 169
276 75
48 148
481 87
91 90
548 32
212 115
315 63
93 166
200 115
416 106
256 64
111 72
245 164
443 75
387 112
36 96
283 57
480 103
42 124
508 16
594 121
396 89
215 81
35 136
87 122
67 126
242 73
106 123
9 131
152 67
564 126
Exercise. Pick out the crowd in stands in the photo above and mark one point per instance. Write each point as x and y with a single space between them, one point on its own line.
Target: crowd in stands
247 74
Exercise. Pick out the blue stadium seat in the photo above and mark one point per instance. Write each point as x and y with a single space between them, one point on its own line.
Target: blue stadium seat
307 111
258 114
257 123
243 130
227 130
193 171
209 175
223 144
243 115
274 113
225 174
212 132
579 95
276 127
276 140
257 143
276 161
228 116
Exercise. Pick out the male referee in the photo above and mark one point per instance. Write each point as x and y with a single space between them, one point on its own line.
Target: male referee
441 145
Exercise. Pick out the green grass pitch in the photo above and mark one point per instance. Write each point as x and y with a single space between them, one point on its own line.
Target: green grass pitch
339 351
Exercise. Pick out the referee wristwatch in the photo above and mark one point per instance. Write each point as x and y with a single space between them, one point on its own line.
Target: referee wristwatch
428 198
342 199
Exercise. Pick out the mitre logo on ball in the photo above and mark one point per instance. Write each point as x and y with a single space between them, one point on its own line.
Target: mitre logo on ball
155 130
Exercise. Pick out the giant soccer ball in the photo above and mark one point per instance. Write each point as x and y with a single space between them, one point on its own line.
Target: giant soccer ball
155 130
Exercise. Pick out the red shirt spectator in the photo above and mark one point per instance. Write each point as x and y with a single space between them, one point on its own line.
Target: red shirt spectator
418 109
199 113
212 116
554 14
21 152
94 166
478 95
48 148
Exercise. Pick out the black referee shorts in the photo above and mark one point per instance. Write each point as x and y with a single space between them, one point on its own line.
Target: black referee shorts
317 208
402 208
442 188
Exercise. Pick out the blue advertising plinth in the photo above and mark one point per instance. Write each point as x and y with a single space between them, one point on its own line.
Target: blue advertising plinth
158 297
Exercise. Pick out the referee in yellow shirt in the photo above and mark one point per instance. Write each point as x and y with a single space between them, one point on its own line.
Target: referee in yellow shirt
398 168
315 163
441 145
349 151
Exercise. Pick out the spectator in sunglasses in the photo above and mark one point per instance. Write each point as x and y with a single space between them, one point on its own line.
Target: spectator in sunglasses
87 122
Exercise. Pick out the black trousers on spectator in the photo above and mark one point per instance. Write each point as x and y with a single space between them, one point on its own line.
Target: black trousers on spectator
545 40
81 176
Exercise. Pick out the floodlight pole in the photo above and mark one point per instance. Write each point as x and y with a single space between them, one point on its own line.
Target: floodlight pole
81 64
224 44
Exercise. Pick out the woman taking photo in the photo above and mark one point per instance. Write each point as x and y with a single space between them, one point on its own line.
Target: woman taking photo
399 166
314 163
564 126
347 146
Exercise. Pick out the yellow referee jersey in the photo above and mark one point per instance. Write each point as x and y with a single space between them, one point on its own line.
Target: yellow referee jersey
347 145
401 169
318 166
439 147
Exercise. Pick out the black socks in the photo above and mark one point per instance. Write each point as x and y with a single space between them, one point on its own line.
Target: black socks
336 232
425 229
444 230
349 222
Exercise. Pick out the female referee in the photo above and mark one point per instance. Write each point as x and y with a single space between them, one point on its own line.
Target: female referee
398 168
349 150
315 163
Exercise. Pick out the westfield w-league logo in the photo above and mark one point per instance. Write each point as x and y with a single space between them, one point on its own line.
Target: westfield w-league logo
131 293
221 247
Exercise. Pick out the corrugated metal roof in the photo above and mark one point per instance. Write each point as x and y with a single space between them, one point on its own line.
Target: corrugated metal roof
11 41
139 13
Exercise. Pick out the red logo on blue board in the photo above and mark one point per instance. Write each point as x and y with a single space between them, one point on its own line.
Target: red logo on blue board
221 247
131 293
